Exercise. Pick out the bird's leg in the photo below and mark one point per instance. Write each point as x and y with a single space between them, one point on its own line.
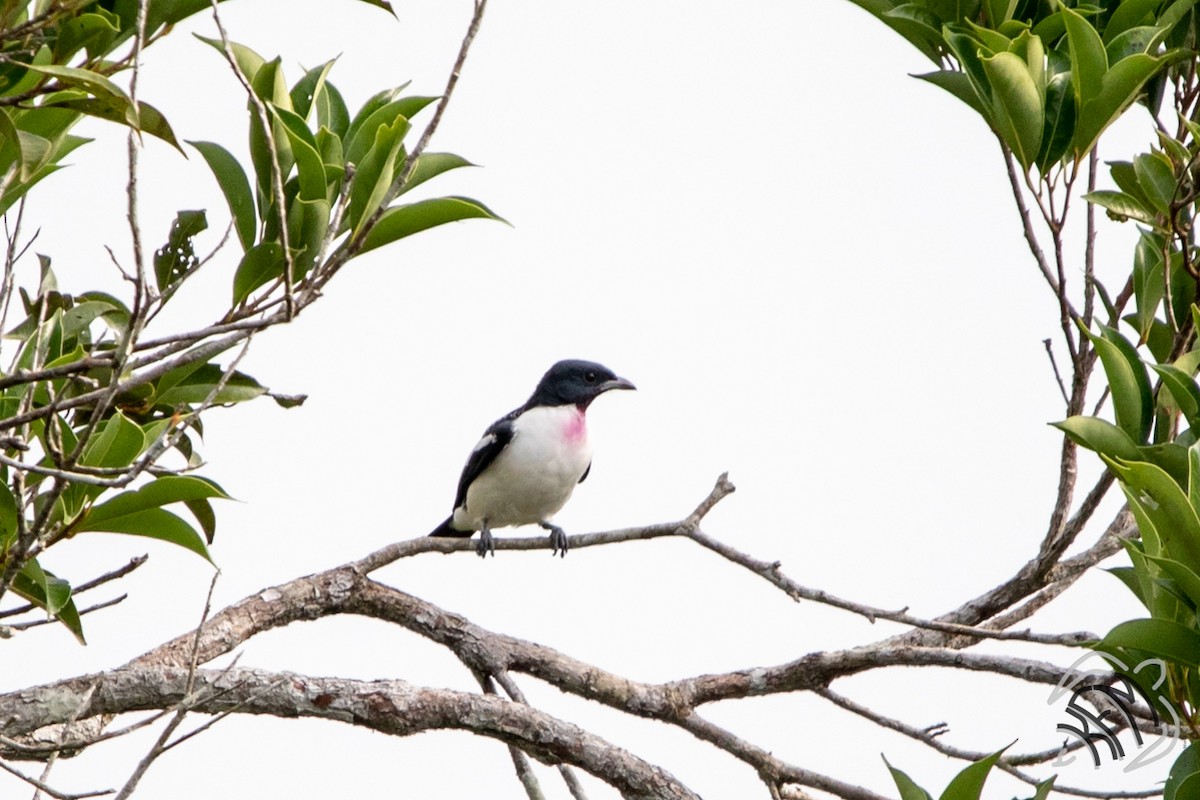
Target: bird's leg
486 544
558 539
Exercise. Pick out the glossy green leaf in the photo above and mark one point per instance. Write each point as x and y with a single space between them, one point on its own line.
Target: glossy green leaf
153 523
1121 206
1059 126
968 783
159 492
401 221
430 165
309 88
1142 39
1148 286
333 160
373 104
309 166
50 593
199 384
116 443
91 82
147 119
248 61
1173 516
308 221
1128 382
1186 766
1100 436
1017 105
235 186
261 264
1124 175
8 517
1157 179
905 785
958 84
1159 637
999 11
374 175
918 26
966 50
1130 14
203 512
1119 88
90 31
366 137
1183 390
331 111
1089 62
1185 578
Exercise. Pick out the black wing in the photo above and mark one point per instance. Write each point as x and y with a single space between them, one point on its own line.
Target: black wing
494 440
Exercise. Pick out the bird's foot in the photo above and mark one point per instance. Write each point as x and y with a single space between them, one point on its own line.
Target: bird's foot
558 540
486 543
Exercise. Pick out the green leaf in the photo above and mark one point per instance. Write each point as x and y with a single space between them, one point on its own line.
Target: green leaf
1157 179
178 255
1100 436
1119 87
161 491
304 149
92 82
331 111
401 221
366 137
1127 380
1147 282
958 84
914 22
9 516
1059 121
968 784
235 186
907 787
203 512
1183 391
374 175
147 119
1130 14
1185 578
430 165
308 89
1173 515
1089 61
999 11
248 61
154 523
262 263
196 387
1186 766
53 594
116 444
1017 105
308 221
1163 638
1121 206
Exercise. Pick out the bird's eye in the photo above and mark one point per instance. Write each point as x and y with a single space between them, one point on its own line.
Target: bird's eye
590 376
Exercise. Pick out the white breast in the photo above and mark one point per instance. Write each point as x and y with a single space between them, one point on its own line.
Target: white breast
534 475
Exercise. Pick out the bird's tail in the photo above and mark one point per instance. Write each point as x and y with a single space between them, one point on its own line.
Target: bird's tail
447 529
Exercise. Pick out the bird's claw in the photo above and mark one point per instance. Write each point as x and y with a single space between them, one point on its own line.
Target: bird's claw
559 544
486 544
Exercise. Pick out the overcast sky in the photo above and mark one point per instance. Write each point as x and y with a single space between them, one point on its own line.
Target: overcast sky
806 260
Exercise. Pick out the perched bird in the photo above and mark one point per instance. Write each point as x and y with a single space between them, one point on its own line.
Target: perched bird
528 462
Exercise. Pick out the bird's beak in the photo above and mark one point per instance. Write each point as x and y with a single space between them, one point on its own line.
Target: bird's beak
617 383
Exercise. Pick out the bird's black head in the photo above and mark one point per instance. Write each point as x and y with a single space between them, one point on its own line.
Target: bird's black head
575 382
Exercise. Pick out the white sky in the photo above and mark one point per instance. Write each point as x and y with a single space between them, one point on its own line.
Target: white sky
807 261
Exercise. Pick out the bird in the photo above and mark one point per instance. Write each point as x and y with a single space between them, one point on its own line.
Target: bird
529 461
